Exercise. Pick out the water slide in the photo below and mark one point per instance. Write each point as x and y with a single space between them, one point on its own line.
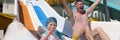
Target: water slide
39 11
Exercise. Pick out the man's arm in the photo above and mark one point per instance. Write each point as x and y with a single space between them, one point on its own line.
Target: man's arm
91 8
68 10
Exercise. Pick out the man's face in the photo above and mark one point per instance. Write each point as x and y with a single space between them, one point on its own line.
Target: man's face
80 5
51 26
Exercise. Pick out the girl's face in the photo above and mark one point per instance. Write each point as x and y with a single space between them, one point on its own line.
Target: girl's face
51 26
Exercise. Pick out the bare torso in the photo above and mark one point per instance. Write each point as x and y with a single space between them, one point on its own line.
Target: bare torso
80 19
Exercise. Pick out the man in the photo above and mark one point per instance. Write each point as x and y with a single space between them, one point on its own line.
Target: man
79 19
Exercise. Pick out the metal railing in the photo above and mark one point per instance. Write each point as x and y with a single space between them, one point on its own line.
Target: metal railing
98 15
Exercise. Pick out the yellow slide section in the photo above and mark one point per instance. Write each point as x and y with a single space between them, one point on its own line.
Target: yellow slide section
5 20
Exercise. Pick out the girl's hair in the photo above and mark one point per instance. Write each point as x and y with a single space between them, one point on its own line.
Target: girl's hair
51 19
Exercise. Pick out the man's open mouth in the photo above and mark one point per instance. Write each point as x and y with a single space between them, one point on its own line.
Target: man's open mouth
81 7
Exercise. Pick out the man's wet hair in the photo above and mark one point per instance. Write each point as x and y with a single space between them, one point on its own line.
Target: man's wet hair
78 1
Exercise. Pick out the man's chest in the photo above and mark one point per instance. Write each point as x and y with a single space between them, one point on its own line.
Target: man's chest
80 17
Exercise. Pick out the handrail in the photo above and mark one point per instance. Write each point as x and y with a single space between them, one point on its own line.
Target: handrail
98 15
16 11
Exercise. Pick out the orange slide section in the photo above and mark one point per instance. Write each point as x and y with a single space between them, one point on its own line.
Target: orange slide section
25 18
